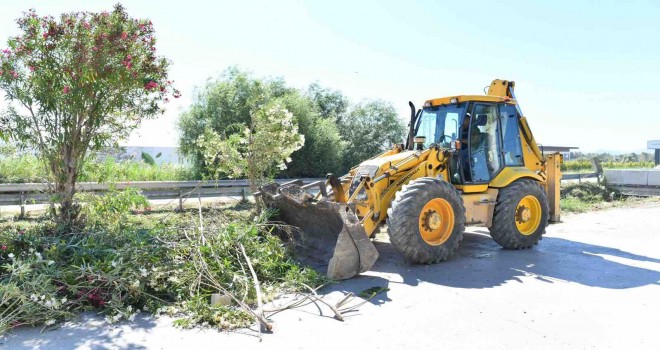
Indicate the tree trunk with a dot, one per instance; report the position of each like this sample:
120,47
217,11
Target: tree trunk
66,188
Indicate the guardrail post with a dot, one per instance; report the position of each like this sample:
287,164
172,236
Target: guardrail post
244,194
22,205
180,200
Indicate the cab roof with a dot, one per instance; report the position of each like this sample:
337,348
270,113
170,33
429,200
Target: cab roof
468,98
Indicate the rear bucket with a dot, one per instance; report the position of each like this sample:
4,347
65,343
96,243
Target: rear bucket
330,233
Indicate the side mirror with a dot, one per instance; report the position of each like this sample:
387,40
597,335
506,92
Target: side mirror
456,145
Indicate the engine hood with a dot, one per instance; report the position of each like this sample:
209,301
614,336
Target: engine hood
386,161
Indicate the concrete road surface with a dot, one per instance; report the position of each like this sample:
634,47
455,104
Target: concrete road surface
592,283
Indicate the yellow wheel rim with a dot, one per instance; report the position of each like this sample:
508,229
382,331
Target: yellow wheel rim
528,215
436,221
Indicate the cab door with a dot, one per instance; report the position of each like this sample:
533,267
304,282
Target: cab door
483,144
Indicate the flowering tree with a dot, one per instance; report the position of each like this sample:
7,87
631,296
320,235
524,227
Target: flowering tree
79,83
259,151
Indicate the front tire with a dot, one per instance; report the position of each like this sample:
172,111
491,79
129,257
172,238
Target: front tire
426,220
520,216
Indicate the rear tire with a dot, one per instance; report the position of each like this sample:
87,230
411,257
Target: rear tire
426,220
520,216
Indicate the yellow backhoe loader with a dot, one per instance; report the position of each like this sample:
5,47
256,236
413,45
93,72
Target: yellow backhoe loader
468,160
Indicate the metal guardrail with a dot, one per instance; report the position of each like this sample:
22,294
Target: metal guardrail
38,193
579,177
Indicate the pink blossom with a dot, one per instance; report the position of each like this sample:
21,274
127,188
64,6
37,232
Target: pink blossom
1,72
14,74
6,51
167,100
45,35
129,57
65,90
4,247
21,232
32,68
86,25
129,65
150,85
124,35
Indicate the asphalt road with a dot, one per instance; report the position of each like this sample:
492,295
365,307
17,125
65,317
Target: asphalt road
592,283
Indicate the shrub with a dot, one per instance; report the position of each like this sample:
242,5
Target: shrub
160,263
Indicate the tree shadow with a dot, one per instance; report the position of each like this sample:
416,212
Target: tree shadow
89,331
482,263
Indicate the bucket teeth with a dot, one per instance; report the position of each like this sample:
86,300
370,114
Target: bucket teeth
330,236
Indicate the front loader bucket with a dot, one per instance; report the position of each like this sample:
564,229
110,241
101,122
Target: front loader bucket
330,232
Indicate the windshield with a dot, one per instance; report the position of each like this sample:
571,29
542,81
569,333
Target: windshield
440,124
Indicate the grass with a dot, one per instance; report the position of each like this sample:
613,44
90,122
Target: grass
27,168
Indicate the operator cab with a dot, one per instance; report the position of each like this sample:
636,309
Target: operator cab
483,135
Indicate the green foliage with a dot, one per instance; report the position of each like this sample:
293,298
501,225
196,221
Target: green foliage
331,103
111,170
112,209
27,168
160,263
323,146
369,129
590,192
585,164
82,81
263,147
224,106
147,158
581,197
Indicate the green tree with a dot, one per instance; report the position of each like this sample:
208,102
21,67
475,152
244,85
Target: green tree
330,103
79,83
369,129
258,152
225,106
323,148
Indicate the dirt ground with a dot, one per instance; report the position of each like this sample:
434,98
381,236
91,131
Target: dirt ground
592,283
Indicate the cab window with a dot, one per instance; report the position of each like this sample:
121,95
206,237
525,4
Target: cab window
440,124
511,146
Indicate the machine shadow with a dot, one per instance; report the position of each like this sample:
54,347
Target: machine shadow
482,263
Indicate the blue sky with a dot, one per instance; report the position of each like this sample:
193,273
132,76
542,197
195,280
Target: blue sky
587,72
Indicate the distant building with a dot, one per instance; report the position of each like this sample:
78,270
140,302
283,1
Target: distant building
564,150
